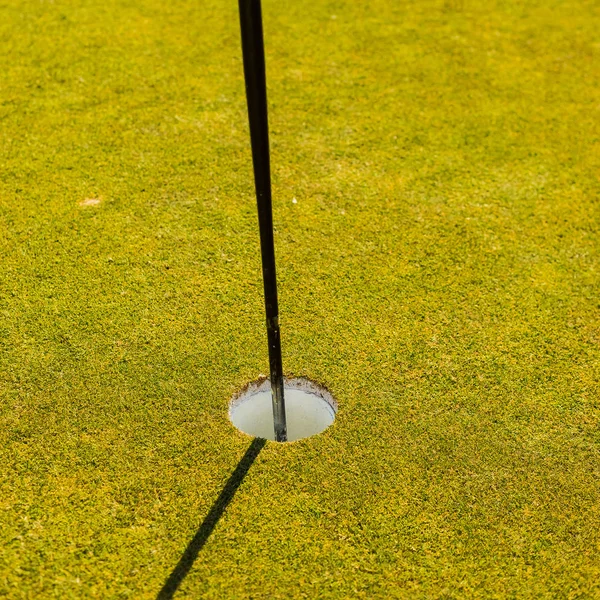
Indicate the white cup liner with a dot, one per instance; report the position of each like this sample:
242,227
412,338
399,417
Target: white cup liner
310,409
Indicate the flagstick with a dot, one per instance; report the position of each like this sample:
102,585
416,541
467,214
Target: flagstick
256,95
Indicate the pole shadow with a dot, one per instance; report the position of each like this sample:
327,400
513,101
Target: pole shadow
188,558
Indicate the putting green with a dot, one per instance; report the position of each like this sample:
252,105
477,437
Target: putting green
436,197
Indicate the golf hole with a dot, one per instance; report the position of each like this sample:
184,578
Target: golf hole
309,407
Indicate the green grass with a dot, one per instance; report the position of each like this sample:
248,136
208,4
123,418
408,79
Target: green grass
439,273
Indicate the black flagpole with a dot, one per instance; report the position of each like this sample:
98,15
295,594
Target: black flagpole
256,95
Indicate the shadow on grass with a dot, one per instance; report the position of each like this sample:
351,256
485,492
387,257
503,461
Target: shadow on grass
212,518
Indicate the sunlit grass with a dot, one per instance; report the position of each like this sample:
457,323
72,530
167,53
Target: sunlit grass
435,169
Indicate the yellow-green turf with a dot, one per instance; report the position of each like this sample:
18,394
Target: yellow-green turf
439,273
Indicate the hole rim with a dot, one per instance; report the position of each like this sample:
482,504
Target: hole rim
300,383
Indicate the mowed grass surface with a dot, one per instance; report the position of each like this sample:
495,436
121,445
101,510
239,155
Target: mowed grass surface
439,273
